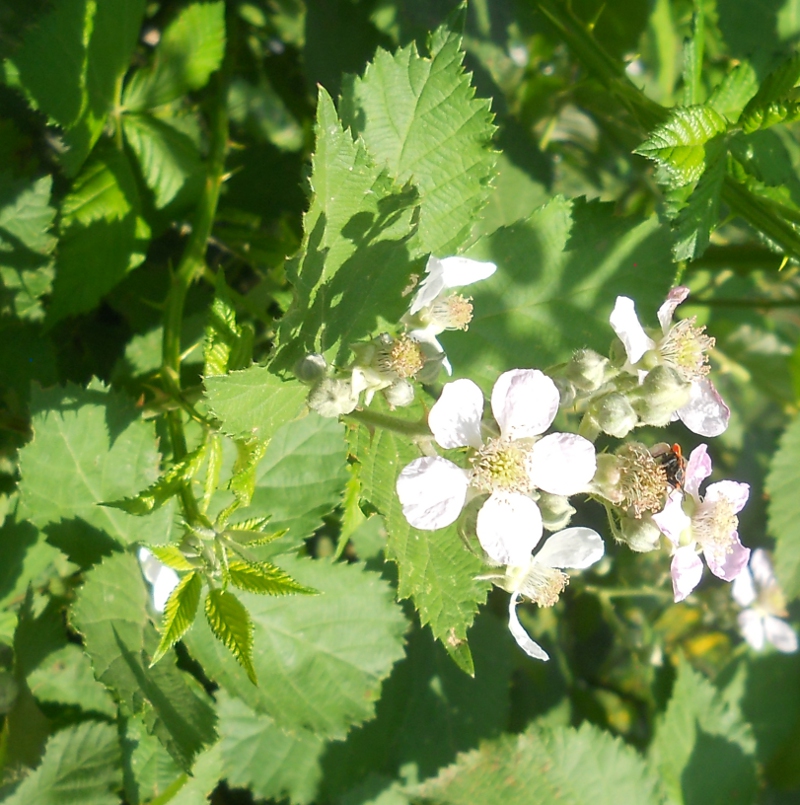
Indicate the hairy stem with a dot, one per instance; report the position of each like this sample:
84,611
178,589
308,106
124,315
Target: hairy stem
372,419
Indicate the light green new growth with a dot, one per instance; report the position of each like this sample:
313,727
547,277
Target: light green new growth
179,613
230,622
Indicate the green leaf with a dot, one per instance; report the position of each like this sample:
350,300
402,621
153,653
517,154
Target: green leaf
191,48
231,624
89,445
322,658
167,158
731,96
81,764
678,145
179,613
254,403
171,556
26,245
435,569
259,755
264,578
784,508
702,749
764,108
102,235
111,614
563,766
355,260
150,770
223,346
420,117
693,60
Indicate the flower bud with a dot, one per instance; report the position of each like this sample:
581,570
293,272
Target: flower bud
614,414
607,481
332,397
640,534
661,394
566,391
399,394
311,368
556,511
586,370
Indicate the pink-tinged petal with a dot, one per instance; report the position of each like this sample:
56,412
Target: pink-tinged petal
625,324
524,403
735,492
780,634
751,625
706,413
509,527
524,641
743,589
430,287
698,468
761,568
562,463
455,419
460,271
672,519
687,570
432,492
575,548
728,565
666,311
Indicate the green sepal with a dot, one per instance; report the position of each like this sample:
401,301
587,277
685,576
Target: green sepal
230,622
179,613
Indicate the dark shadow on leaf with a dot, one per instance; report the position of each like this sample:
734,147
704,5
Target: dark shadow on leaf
15,540
82,543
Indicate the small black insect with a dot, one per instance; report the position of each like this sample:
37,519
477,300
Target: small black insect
672,460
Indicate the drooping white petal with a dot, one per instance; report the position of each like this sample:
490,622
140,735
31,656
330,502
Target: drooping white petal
460,271
780,634
524,641
706,413
430,287
164,579
562,463
432,492
727,564
625,324
761,568
666,311
751,625
576,548
698,468
672,519
735,492
509,527
743,589
455,418
687,570
524,403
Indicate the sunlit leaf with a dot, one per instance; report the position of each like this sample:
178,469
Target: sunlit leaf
231,624
179,613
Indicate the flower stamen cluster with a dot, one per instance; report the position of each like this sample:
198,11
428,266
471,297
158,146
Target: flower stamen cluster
500,464
685,348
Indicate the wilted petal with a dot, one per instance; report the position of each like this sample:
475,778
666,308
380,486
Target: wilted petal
562,463
573,548
509,527
751,625
780,634
672,519
666,311
524,403
432,492
735,492
698,468
761,568
455,419
727,565
687,570
626,325
705,414
743,589
531,648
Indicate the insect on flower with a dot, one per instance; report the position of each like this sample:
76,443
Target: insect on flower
673,462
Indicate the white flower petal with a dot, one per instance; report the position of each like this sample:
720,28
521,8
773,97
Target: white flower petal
735,492
524,403
455,418
672,519
163,586
666,311
460,271
780,634
430,287
751,625
761,568
625,324
524,641
509,527
576,548
706,413
687,570
562,463
727,564
743,589
698,468
432,492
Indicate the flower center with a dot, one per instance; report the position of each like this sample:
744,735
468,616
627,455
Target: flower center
454,312
684,348
715,525
500,464
643,480
772,601
543,584
402,356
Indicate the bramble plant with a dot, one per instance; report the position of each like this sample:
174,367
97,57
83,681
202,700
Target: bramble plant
321,363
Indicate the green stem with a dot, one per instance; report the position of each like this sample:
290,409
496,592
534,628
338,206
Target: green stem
626,592
391,423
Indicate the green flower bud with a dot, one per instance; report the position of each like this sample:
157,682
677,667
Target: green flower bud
399,394
332,397
661,394
556,511
311,368
614,414
607,481
640,534
587,370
